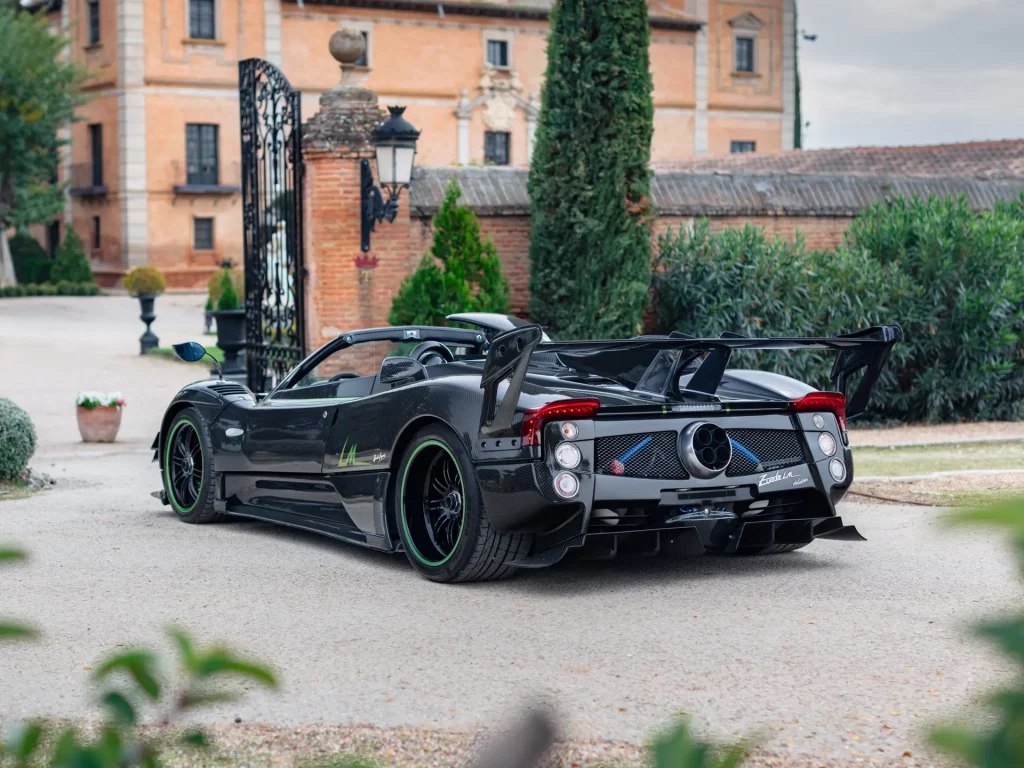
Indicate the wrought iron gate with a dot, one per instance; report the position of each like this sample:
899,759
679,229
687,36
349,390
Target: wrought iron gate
271,121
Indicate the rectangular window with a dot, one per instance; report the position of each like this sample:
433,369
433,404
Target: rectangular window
364,60
202,21
742,147
94,22
496,148
201,154
497,53
202,234
96,232
52,238
744,54
96,158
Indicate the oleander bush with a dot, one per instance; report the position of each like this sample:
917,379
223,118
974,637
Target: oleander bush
17,439
953,279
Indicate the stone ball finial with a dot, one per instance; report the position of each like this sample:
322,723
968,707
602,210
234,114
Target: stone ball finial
347,46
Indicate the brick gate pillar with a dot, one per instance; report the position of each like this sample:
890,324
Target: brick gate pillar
341,286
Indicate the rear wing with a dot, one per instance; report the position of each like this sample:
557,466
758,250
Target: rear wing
655,363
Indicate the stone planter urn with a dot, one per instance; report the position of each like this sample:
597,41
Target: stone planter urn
99,424
148,340
231,339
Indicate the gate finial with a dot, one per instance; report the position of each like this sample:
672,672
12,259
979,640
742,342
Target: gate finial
347,46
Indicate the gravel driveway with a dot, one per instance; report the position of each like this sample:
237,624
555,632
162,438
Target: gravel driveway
839,651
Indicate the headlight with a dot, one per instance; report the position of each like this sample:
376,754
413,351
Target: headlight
566,485
837,469
827,443
567,455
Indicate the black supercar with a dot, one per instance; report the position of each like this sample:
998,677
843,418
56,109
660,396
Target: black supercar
483,449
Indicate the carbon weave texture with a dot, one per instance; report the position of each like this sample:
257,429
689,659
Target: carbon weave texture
659,457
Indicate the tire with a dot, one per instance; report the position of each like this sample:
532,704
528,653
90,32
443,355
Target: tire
441,517
187,472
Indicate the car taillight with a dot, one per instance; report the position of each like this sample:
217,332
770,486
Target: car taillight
830,402
533,422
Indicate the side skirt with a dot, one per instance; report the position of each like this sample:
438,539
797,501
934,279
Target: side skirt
313,525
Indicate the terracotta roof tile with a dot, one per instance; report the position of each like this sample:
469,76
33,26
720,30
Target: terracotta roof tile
978,160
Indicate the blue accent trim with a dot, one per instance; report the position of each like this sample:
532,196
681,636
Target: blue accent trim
745,452
635,449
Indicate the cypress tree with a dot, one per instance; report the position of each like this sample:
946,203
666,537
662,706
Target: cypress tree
589,185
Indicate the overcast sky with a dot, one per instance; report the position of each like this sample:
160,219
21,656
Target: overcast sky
891,72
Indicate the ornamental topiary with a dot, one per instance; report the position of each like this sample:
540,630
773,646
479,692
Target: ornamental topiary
213,285
460,272
590,180
228,297
144,281
17,440
71,263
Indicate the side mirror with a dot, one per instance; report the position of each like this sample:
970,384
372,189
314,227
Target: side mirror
190,351
193,352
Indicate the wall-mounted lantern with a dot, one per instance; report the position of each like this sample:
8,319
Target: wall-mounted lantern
395,141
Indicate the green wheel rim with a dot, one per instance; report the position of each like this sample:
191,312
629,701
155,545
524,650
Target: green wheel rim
184,466
441,504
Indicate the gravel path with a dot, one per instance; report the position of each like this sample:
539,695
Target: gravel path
842,652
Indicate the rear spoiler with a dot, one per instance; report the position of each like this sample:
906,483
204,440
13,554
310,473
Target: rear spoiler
509,358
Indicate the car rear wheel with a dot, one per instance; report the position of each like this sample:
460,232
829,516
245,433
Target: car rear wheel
441,517
188,468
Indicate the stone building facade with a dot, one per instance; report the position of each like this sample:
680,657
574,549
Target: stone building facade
154,164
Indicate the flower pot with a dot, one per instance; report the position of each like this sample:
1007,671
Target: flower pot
148,340
231,339
99,424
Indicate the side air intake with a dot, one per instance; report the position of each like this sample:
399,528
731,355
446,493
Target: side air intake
705,450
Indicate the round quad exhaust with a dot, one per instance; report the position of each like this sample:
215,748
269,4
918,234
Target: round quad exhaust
705,450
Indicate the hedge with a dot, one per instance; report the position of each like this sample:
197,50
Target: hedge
953,279
63,288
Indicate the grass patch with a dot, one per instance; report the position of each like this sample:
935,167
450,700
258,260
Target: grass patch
216,352
923,460
12,490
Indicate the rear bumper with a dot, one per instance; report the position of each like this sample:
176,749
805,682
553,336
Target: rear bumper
791,505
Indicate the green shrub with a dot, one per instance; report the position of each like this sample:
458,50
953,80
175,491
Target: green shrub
31,263
71,263
31,289
590,179
996,739
740,281
952,279
213,285
228,298
963,314
460,273
47,289
17,439
144,281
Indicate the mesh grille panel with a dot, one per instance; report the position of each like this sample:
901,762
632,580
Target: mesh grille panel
642,455
773,448
655,455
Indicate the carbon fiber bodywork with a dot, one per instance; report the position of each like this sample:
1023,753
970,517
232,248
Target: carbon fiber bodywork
329,464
